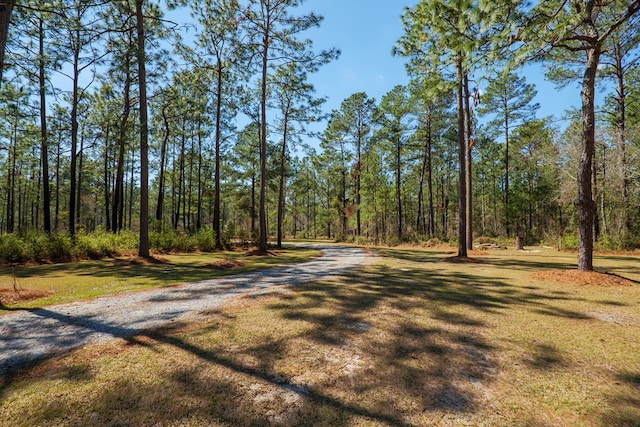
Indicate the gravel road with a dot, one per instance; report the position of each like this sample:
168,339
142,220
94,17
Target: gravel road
34,334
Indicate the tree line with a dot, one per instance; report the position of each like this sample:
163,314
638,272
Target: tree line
116,117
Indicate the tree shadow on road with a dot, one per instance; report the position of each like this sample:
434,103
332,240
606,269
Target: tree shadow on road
380,346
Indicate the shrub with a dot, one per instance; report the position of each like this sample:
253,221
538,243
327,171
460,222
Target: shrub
172,241
12,249
105,244
206,239
362,240
569,241
61,248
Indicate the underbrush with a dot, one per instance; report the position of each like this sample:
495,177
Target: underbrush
37,247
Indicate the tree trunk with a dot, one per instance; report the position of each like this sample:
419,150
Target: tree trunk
189,198
283,153
421,226
57,207
117,210
262,209
621,119
358,182
180,190
143,249
584,203
507,219
199,179
462,174
432,214
44,145
468,163
163,153
253,205
217,229
343,214
132,169
398,187
80,161
11,176
5,18
106,176
74,136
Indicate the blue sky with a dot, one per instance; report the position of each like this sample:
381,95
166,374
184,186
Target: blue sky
365,32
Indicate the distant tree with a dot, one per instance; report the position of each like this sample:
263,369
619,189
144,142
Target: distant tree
620,58
294,99
82,33
536,178
247,166
273,40
395,116
509,99
353,124
433,118
447,47
219,46
337,156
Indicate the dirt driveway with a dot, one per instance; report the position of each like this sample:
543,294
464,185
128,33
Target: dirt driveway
34,334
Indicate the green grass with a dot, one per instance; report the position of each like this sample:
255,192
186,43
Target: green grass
88,279
411,339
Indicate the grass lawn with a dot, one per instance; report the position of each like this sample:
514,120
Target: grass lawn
412,339
48,284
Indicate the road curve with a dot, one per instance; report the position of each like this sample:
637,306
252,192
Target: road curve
30,335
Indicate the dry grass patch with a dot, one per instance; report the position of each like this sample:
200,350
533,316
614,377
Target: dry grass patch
406,341
14,296
226,264
583,278
137,260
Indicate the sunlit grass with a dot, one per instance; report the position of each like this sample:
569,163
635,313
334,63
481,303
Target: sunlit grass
410,340
88,279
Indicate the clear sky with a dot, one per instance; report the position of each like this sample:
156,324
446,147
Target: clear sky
365,31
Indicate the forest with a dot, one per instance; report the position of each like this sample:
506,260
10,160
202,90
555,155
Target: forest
115,118
190,236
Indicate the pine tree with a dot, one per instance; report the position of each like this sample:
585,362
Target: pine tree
509,98
576,31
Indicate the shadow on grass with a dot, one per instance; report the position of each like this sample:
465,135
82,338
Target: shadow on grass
625,409
126,400
423,330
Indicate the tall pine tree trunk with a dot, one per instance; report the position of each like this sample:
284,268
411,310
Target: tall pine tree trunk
262,209
44,144
621,120
161,177
79,193
143,249
106,176
468,163
462,151
283,154
584,203
6,7
117,211
74,136
398,188
358,171
199,178
217,228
